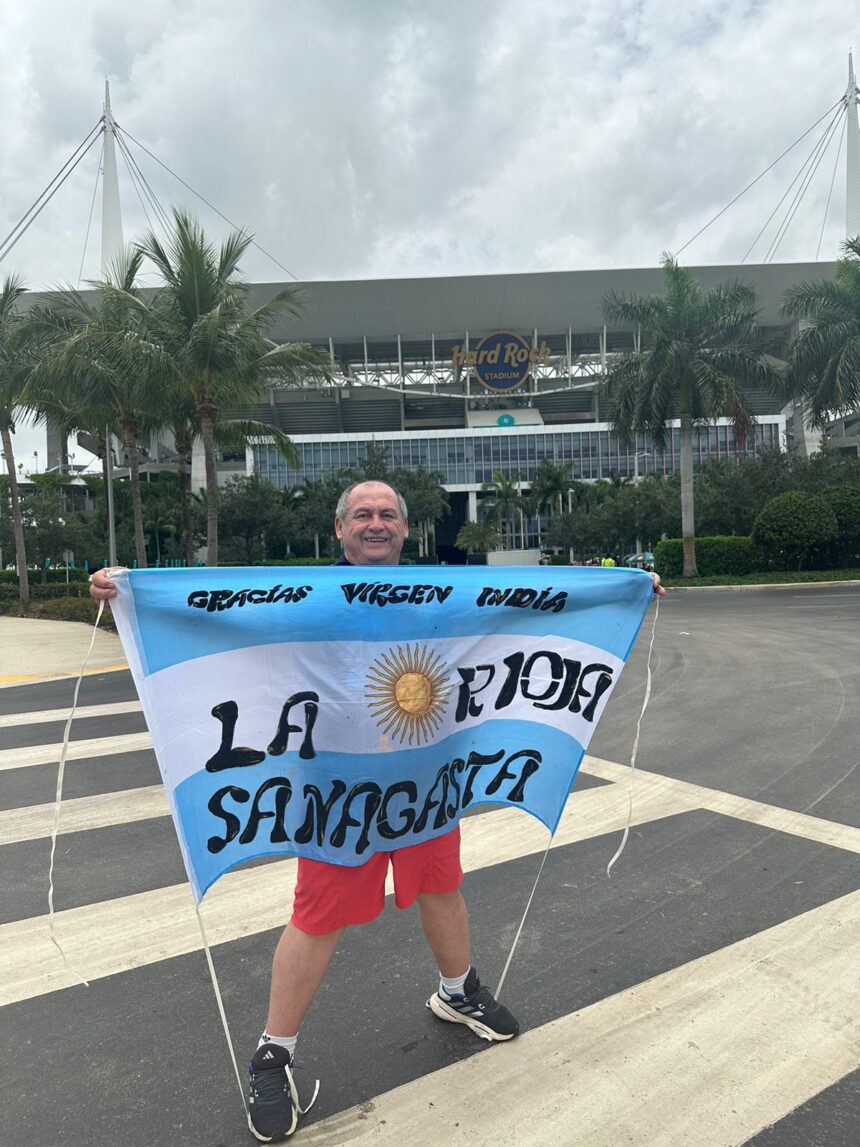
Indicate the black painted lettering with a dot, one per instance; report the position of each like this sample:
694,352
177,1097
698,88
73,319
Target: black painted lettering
490,596
227,756
318,812
603,682
522,597
530,766
373,798
383,825
232,822
352,590
282,733
433,801
509,688
474,764
278,835
555,667
467,706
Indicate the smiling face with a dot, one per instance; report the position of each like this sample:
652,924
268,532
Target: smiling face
372,529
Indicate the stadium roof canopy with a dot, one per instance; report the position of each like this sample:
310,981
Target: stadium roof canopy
551,301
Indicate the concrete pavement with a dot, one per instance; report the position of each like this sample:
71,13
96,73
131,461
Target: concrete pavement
35,650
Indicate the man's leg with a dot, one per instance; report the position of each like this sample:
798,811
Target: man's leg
300,963
445,922
461,998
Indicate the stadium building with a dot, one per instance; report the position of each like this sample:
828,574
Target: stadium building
469,375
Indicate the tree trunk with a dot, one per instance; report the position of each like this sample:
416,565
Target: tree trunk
17,522
130,443
184,501
688,525
207,435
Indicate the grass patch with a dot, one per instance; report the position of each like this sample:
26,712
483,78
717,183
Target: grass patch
770,577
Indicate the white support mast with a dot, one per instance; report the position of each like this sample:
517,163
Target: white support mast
112,248
852,167
112,241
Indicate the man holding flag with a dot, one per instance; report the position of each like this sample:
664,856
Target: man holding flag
371,523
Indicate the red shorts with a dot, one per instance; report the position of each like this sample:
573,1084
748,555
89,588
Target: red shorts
332,896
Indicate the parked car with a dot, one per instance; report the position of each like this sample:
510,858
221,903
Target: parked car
646,558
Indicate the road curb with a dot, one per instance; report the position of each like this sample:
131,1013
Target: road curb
42,678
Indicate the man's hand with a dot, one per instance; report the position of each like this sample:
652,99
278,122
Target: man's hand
101,586
659,588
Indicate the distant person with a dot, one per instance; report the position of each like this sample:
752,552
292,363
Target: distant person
608,560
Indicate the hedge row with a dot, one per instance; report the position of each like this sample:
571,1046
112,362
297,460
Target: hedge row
53,577
44,592
721,555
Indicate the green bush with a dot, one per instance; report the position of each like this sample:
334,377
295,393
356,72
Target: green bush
844,501
53,577
714,556
669,557
794,528
44,592
69,609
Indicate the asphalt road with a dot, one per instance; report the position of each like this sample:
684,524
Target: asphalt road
705,994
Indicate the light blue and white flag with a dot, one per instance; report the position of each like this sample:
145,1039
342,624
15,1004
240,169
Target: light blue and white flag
337,712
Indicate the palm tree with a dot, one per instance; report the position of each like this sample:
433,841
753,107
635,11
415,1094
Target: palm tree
552,481
824,358
206,340
91,378
503,501
478,537
158,525
12,334
699,352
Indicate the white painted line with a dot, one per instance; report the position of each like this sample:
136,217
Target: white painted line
856,596
133,931
78,750
769,816
36,821
708,1053
42,716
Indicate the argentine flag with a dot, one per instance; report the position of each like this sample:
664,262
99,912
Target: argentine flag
337,712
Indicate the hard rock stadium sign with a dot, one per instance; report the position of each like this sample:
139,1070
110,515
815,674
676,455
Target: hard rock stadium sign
501,361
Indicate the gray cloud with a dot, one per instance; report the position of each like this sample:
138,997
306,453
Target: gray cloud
384,138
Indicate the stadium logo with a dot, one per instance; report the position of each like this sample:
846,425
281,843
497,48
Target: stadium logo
502,361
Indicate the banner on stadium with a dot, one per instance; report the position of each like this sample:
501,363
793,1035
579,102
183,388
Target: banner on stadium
341,711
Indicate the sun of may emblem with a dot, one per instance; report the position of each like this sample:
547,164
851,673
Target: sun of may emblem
408,692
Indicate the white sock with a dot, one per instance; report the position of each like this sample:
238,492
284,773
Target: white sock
453,987
288,1042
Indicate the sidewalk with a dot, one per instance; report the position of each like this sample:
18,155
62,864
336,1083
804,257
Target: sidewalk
32,650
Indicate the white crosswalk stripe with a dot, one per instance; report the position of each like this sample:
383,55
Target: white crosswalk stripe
116,935
78,751
688,1057
662,1055
44,716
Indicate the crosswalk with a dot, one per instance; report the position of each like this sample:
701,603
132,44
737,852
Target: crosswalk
671,1004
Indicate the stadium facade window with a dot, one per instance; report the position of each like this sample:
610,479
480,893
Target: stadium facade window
469,458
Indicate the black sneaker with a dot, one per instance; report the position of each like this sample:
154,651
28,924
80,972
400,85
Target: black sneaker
477,1009
273,1103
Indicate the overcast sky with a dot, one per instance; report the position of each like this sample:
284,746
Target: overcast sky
384,138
